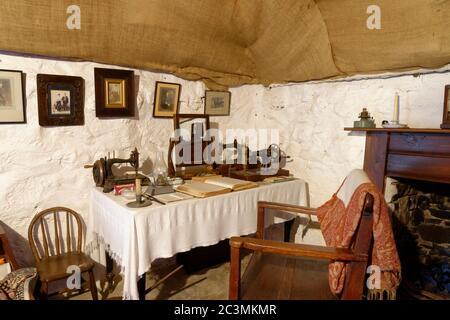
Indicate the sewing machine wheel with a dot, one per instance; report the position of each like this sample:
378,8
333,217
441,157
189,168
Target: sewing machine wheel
99,172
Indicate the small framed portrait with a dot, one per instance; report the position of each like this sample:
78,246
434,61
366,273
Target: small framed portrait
114,93
167,99
446,116
217,103
12,102
60,100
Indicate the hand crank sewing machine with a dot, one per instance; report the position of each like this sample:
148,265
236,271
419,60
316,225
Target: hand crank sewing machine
102,171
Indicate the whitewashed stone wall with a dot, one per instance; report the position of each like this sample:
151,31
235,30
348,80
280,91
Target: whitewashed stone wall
311,118
43,167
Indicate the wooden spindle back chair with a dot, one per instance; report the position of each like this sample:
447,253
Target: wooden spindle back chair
55,251
40,226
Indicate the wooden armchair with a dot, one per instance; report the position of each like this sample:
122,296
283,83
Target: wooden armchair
54,255
290,271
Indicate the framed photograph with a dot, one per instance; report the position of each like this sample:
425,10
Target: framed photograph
217,103
60,100
114,93
12,102
167,99
446,117
194,126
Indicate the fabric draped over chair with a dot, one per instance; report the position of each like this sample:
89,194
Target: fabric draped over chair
339,219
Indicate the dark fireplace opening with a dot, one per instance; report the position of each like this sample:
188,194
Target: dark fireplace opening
421,221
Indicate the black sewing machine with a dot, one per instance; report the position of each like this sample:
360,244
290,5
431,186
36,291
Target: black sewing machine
104,177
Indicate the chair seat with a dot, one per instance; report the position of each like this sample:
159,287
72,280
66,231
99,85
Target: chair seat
281,277
55,267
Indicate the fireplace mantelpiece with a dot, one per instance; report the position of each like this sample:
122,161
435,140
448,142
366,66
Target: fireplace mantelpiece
420,154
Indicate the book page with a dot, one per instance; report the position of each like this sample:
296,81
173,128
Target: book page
200,189
231,183
171,197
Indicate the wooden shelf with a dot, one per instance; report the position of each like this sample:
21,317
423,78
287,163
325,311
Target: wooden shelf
405,130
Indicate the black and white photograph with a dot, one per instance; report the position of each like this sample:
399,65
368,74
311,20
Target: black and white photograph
167,99
217,103
12,105
5,93
59,102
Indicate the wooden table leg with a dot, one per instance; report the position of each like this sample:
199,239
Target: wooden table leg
287,229
141,287
109,271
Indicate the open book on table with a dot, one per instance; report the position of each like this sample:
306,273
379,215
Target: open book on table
172,197
214,186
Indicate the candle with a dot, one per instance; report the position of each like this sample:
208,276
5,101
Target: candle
138,187
396,109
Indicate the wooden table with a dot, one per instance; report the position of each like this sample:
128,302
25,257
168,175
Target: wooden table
136,237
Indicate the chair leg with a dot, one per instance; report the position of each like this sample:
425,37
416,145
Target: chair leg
92,285
44,290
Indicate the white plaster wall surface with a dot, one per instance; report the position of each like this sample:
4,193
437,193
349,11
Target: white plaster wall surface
43,167
311,118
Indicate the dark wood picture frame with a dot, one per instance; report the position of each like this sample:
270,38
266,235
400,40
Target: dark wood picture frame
123,103
178,119
19,104
446,115
57,110
224,110
158,109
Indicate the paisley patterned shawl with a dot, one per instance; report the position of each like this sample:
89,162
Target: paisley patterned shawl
339,224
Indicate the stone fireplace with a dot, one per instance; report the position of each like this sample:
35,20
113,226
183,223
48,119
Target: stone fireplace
421,221
419,161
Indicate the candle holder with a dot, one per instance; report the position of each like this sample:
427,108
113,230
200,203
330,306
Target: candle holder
139,203
395,122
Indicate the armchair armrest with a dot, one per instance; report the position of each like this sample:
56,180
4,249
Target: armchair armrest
297,250
263,205
292,249
286,207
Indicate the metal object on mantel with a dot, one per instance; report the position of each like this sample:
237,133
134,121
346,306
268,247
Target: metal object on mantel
104,176
366,120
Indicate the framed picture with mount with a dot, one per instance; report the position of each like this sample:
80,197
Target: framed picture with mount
446,117
12,102
60,100
114,93
217,103
167,98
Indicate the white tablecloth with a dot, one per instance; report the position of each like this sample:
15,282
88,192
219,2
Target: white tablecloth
136,237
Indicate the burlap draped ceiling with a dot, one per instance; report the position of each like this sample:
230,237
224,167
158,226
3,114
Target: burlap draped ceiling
229,43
